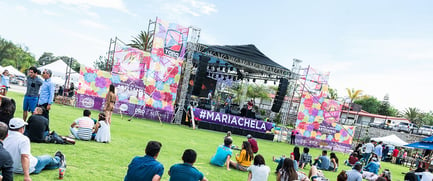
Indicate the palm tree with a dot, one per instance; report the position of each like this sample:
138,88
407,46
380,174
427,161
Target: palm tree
412,113
143,41
353,95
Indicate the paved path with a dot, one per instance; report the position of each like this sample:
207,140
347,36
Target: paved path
17,88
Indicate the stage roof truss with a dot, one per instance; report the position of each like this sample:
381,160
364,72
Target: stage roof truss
283,73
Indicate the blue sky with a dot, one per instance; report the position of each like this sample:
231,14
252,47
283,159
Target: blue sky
378,46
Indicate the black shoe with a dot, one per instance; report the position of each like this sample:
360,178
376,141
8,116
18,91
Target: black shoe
62,159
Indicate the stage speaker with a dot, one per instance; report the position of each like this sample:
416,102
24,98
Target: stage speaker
281,93
200,76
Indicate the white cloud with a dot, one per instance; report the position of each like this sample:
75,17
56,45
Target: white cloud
189,7
85,4
50,13
21,9
93,24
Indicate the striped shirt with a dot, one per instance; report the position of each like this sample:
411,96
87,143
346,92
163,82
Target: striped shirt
85,127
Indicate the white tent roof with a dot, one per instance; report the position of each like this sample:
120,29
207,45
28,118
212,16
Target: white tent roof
391,139
59,70
13,71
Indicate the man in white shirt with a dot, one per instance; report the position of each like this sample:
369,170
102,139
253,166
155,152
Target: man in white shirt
426,175
369,147
18,146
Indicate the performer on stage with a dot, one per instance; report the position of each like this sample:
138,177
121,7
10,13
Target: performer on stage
209,97
228,103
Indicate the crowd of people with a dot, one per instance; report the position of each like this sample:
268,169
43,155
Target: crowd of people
17,133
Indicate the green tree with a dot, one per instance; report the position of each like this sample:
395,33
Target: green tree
16,55
75,65
332,94
384,109
426,118
412,114
46,58
369,104
142,41
100,63
6,49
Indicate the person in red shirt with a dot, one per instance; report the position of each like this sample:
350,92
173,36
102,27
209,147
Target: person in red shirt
253,144
352,159
394,155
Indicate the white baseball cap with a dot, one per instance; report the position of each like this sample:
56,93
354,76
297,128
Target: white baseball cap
16,123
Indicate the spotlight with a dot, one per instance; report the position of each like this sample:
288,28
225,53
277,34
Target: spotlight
230,77
231,68
221,68
254,80
219,76
266,81
224,78
217,62
275,82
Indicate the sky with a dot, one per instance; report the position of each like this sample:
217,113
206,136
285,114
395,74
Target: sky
380,47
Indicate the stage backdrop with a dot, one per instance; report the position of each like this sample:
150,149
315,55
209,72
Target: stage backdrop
318,126
146,83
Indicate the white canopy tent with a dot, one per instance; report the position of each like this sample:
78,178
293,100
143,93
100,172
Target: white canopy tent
58,68
391,139
13,71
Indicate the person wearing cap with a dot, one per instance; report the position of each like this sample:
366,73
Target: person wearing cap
355,173
46,93
253,143
6,163
18,146
34,83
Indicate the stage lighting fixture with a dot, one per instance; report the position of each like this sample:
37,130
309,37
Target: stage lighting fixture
254,80
248,80
266,81
234,78
226,69
275,82
221,68
209,67
230,77
219,76
217,62
224,78
231,68
214,76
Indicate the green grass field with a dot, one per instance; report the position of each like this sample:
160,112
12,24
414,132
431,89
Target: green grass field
98,161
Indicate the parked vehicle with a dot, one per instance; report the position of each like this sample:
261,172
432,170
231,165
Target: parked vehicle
425,130
375,124
404,126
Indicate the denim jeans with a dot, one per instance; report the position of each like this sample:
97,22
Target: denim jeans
46,162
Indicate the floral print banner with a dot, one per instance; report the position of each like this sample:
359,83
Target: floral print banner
318,122
146,83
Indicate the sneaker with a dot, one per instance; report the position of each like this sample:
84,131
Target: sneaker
62,159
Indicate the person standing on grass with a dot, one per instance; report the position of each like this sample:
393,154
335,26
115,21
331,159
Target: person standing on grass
110,100
185,171
223,154
378,150
5,80
368,150
46,93
6,163
18,146
146,167
34,83
258,171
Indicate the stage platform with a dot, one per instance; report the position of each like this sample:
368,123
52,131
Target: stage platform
234,130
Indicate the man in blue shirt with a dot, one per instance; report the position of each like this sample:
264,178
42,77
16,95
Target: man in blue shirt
46,94
323,161
34,83
355,173
223,154
146,168
185,171
373,166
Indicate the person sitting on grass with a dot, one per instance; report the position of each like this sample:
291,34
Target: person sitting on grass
258,171
353,158
223,154
322,162
253,143
305,158
18,146
82,128
371,170
186,171
316,175
334,162
38,127
243,160
342,176
355,173
6,162
146,167
7,109
288,172
102,127
280,162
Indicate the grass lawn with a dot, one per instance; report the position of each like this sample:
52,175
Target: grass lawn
98,161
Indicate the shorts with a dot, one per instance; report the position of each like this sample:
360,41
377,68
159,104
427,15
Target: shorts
240,167
30,103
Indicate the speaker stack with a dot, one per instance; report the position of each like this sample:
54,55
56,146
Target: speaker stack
200,75
281,93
